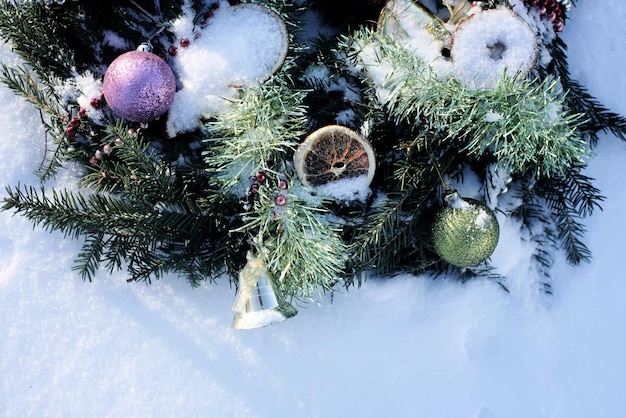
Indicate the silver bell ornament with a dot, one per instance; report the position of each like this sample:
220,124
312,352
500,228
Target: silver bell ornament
259,302
465,232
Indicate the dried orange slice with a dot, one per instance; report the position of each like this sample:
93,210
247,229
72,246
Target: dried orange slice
334,153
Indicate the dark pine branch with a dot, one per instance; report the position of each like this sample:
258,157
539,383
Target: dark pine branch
153,240
567,211
90,256
598,117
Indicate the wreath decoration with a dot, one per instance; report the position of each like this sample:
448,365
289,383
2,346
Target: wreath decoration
221,140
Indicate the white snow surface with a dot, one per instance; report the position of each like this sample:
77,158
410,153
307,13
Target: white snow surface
209,71
490,44
398,347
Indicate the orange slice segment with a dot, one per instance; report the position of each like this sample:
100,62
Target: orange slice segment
334,153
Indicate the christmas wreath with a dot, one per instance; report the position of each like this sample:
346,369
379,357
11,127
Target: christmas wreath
227,139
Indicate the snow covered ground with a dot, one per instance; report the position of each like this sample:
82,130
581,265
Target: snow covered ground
403,347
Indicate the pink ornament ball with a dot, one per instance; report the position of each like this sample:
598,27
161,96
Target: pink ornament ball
139,86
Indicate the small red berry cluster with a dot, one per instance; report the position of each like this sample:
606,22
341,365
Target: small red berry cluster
71,130
207,16
260,179
74,124
552,10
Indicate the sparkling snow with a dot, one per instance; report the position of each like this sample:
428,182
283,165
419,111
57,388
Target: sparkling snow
398,347
208,70
491,44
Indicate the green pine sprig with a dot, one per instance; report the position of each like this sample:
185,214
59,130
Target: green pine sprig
258,135
571,198
54,118
301,245
259,129
523,122
597,117
151,240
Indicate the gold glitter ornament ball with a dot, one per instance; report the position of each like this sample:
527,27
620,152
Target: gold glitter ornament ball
465,232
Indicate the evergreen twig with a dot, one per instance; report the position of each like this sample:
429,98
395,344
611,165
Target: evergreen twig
45,99
597,116
258,131
522,122
571,198
258,134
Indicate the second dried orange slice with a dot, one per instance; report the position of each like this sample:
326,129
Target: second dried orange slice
334,153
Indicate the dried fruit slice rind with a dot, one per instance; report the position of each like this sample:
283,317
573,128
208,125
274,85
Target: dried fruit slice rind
276,26
334,153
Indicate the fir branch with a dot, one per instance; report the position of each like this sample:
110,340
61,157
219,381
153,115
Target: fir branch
146,262
570,233
44,98
387,232
522,122
539,226
133,167
74,213
119,230
34,42
585,198
257,131
568,208
90,256
483,270
303,249
41,95
597,116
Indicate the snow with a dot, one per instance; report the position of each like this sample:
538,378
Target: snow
318,76
403,347
407,23
84,88
493,117
347,189
490,44
209,72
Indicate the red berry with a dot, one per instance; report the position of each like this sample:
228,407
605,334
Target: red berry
70,131
82,112
95,103
282,184
260,177
280,200
207,15
74,122
254,188
215,6
172,50
558,26
184,42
